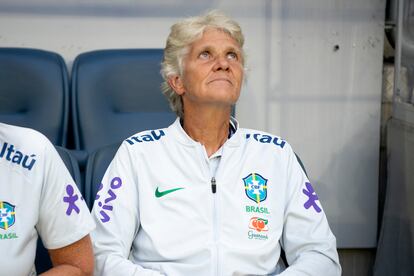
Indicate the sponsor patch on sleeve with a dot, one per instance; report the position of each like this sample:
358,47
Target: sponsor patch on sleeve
312,198
105,204
71,198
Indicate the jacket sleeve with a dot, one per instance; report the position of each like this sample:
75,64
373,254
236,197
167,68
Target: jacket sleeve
64,217
116,214
309,243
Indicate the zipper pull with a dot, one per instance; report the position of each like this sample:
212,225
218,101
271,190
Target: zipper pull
213,185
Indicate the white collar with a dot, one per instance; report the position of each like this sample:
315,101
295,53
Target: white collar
179,133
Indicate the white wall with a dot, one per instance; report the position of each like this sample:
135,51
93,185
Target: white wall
324,100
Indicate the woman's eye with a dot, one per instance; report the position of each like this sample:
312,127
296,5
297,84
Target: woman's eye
232,56
204,55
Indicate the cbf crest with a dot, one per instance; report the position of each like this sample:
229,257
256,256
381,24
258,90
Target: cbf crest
7,215
255,186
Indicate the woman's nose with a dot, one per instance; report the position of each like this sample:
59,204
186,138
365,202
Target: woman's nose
221,63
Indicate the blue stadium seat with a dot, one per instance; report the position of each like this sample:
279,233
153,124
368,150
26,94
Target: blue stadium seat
116,93
301,164
34,91
96,166
42,260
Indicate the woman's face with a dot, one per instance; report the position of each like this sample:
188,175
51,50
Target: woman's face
213,71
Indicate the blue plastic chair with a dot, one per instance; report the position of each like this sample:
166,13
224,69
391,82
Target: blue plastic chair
116,93
96,166
34,91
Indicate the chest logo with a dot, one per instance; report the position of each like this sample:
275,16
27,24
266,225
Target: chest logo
258,224
255,186
159,193
7,215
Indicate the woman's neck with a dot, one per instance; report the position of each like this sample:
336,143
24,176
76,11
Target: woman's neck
208,127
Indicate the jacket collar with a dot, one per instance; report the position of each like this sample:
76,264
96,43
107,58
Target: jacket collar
179,134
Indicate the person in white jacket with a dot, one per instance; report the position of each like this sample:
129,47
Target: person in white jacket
38,197
204,196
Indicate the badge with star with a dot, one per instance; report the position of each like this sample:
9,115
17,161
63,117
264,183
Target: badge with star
7,215
255,186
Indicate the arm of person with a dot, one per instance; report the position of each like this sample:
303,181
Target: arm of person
75,259
116,214
309,244
64,221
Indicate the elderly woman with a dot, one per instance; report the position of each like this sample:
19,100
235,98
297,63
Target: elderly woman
203,196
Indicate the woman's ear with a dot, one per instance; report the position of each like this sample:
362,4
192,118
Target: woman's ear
177,84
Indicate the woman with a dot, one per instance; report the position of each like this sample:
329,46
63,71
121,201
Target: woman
203,196
38,197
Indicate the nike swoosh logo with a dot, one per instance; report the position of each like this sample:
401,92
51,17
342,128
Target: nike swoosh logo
166,192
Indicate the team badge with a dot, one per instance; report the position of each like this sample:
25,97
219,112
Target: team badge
7,215
256,187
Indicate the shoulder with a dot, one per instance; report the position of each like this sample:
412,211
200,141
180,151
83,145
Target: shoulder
264,139
145,137
267,145
23,147
144,142
23,138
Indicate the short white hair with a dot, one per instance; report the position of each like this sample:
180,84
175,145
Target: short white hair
182,34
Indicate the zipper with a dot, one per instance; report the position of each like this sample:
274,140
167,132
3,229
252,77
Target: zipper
215,216
215,228
213,185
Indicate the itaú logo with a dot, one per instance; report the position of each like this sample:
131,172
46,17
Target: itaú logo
146,137
10,153
258,224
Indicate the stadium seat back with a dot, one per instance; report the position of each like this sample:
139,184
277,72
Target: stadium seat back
116,93
96,167
34,91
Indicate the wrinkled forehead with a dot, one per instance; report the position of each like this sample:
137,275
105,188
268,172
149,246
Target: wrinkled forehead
215,38
210,31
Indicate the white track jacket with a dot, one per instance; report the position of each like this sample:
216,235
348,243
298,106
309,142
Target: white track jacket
160,211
